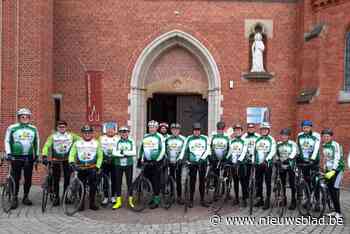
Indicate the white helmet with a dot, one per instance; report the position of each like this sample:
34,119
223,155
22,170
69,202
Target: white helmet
265,125
24,111
153,124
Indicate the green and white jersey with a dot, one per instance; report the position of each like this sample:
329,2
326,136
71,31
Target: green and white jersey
265,149
250,140
333,156
125,152
109,145
22,140
152,147
86,153
238,150
220,146
196,149
174,145
59,144
286,150
309,146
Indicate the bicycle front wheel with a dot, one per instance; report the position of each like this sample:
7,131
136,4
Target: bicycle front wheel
7,194
142,193
278,206
251,195
186,194
168,194
73,197
303,199
318,202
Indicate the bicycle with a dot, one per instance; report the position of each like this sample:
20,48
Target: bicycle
212,186
7,189
280,198
73,196
167,195
186,185
48,191
142,190
320,197
302,189
103,184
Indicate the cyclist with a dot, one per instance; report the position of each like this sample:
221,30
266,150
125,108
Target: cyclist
163,129
174,144
196,151
334,167
124,161
309,152
58,146
219,145
286,154
265,150
152,150
108,143
22,149
86,156
237,157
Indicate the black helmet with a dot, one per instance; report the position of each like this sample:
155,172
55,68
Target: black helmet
327,131
175,125
285,131
87,128
196,126
220,125
61,122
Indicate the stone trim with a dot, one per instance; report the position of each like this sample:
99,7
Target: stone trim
148,55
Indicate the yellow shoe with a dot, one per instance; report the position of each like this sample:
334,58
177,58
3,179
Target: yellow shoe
118,203
131,202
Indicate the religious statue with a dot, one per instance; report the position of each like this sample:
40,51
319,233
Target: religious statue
258,53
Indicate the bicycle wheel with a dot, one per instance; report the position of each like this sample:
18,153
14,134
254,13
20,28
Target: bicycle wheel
278,206
186,194
212,188
318,205
303,198
7,194
142,193
251,191
102,186
167,197
73,197
45,194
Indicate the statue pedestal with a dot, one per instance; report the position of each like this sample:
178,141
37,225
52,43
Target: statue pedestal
258,76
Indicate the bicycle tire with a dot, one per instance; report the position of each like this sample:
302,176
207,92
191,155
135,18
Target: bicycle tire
212,187
303,199
45,194
322,202
251,195
167,197
186,194
73,197
7,194
101,186
277,206
142,193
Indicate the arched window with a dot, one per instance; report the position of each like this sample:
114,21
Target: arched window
347,62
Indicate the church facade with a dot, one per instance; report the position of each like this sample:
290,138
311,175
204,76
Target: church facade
87,61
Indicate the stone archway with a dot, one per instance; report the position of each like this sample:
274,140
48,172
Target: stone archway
137,96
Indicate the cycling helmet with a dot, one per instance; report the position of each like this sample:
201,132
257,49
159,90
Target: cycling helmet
285,131
24,111
87,128
265,125
327,131
196,126
220,125
124,129
175,125
153,124
306,123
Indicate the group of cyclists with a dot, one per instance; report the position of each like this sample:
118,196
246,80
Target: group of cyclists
114,154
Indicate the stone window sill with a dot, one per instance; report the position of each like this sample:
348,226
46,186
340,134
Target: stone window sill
344,96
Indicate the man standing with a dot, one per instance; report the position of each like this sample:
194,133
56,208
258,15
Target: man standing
86,156
265,150
196,151
152,152
22,149
58,145
174,144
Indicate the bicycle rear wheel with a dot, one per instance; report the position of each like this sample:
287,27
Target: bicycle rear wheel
168,194
318,206
278,206
142,193
7,194
303,199
212,188
186,194
102,186
251,195
73,197
45,194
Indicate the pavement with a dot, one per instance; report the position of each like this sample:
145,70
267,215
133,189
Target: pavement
198,220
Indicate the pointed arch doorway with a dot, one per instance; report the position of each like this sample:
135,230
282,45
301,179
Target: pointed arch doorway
150,80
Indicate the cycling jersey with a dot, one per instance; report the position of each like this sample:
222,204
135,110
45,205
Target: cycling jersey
59,144
174,146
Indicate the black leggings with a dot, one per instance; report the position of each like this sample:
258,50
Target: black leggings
89,175
128,171
291,178
56,173
334,192
175,172
202,169
235,180
17,167
263,172
153,172
244,175
109,169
